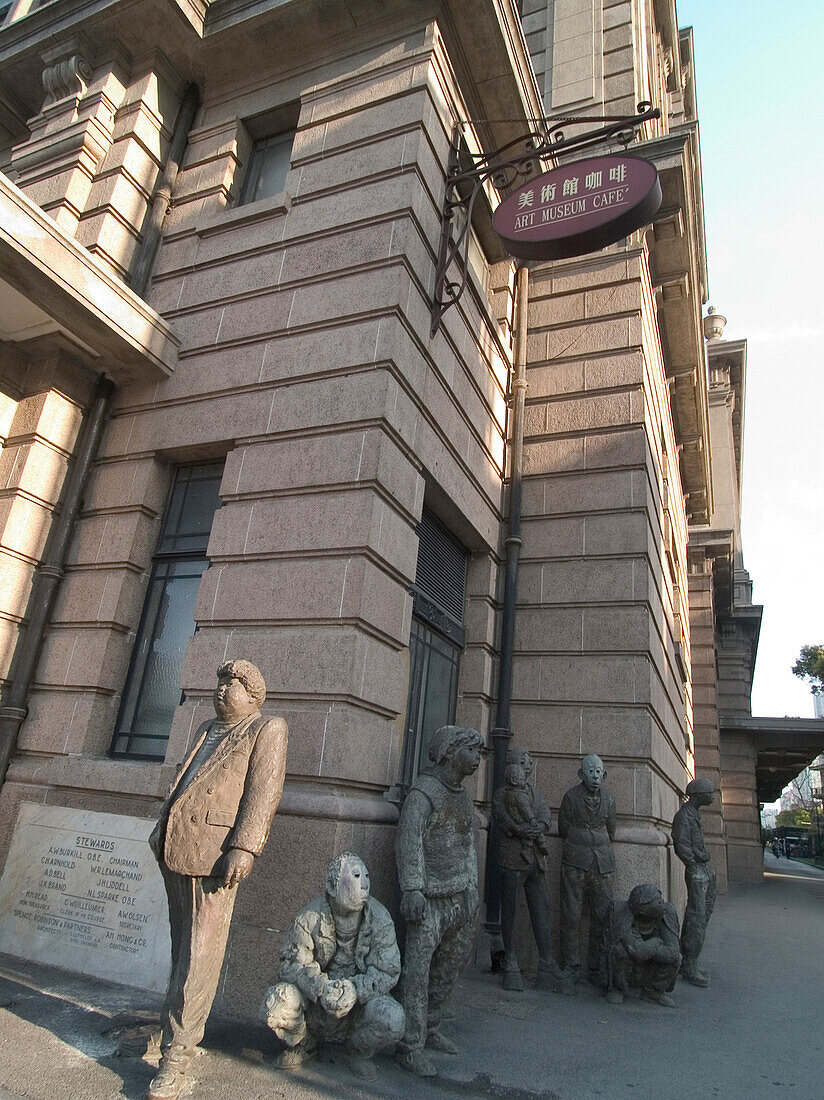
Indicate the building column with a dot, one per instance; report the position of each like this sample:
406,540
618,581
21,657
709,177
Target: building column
705,709
742,819
36,450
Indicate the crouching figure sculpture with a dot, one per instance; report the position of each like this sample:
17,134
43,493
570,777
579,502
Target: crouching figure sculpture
339,961
641,948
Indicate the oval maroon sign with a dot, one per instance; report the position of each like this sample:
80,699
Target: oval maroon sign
578,208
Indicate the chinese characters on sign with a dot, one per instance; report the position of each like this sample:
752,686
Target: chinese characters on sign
578,208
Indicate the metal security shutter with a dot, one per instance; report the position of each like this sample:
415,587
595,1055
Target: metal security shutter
440,579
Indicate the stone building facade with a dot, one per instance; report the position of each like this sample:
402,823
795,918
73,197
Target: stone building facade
292,469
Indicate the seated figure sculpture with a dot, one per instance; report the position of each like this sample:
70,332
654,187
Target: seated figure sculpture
691,849
524,819
641,947
339,961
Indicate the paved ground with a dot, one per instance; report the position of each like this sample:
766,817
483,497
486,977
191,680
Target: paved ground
755,1033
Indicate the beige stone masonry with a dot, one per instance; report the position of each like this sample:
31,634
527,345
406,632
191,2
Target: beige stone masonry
707,736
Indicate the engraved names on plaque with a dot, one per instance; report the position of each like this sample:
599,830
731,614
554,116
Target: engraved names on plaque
82,890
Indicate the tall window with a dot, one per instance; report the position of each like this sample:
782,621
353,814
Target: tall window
436,641
269,163
152,690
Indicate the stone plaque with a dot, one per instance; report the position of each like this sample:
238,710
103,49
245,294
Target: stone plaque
82,890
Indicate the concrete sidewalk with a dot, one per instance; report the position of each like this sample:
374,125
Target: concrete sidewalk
754,1033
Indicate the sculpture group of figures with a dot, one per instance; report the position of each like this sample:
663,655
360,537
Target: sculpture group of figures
341,977
633,944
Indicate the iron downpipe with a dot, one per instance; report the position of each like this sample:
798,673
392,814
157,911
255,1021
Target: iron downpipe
143,261
502,732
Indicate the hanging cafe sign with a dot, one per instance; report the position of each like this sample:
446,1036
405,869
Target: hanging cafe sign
579,208
569,211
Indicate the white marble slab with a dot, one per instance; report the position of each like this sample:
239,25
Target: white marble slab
81,890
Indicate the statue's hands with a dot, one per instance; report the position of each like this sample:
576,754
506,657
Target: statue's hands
413,904
339,997
533,830
236,866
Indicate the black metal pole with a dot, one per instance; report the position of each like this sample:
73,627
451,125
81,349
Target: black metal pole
502,731
143,261
48,576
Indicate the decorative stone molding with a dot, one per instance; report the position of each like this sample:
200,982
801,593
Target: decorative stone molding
66,78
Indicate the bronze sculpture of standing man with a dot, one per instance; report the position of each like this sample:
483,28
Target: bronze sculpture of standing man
212,825
438,876
586,823
691,849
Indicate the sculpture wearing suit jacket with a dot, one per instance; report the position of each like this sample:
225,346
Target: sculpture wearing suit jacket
586,823
212,824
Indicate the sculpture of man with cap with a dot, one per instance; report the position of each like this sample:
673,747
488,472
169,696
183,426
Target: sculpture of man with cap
438,876
688,838
642,947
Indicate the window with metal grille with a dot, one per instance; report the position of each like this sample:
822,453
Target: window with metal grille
152,690
435,643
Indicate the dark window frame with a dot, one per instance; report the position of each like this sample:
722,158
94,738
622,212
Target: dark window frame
257,164
177,549
437,633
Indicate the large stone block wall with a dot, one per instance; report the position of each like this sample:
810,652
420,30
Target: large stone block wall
41,409
742,818
95,148
707,735
602,615
305,364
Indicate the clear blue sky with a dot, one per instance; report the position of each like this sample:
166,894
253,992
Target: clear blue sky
758,77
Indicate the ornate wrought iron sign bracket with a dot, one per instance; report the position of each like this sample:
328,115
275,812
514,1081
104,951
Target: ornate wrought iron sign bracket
516,162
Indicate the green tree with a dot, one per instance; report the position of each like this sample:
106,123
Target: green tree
810,666
796,816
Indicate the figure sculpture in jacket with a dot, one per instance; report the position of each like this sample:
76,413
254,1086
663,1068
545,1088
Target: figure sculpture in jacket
212,825
641,947
523,817
691,849
586,823
438,876
338,963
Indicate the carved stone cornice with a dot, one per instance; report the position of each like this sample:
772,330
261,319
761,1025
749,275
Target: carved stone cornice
67,70
66,78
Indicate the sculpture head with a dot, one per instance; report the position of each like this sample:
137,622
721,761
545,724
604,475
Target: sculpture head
516,775
647,906
522,759
240,690
347,883
700,792
592,772
457,749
